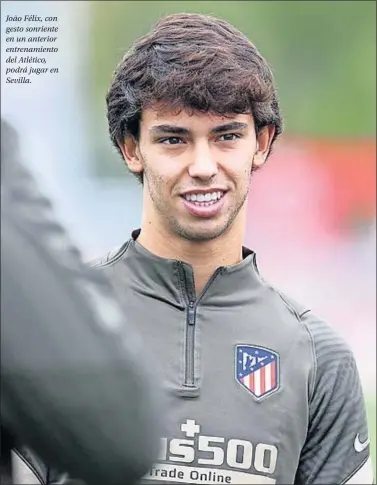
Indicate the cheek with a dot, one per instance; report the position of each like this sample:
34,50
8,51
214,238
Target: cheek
156,181
159,178
240,169
163,169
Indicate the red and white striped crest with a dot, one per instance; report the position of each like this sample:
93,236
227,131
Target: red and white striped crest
257,369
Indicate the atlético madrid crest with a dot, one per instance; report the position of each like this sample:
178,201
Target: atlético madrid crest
257,369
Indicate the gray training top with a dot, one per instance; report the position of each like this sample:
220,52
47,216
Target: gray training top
259,390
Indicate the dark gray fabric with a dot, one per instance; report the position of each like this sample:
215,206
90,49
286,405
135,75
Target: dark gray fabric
336,413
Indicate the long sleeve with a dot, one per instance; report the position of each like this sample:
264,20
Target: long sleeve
337,446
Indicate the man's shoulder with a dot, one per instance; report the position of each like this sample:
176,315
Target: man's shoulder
321,330
297,308
330,349
317,326
326,339
330,353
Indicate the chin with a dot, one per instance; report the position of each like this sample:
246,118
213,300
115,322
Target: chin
202,234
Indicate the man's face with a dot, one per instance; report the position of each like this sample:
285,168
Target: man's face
196,169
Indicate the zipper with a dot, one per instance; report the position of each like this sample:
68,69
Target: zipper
190,345
192,305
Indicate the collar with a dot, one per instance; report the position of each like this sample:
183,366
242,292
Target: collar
173,280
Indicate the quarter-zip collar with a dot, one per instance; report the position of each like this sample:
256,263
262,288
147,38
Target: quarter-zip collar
174,280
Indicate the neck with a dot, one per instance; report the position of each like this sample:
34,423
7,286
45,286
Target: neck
204,257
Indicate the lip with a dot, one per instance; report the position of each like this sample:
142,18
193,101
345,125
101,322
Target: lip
203,211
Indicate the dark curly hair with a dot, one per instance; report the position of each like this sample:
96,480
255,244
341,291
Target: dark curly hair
194,62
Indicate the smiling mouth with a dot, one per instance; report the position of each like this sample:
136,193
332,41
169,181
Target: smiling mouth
204,200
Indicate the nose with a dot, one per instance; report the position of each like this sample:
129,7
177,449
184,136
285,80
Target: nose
203,165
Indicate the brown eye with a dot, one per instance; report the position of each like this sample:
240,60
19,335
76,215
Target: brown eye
171,140
229,137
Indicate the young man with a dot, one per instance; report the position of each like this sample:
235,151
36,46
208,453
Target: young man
258,388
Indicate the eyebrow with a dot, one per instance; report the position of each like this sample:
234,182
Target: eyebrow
178,130
233,126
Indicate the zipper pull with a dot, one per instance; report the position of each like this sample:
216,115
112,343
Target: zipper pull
191,313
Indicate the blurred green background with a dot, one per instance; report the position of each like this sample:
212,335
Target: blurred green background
323,55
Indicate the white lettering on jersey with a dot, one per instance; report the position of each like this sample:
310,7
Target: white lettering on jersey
238,459
182,450
184,474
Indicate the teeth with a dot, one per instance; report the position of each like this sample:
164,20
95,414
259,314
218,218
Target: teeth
209,197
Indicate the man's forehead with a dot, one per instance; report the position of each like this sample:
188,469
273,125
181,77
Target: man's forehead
189,118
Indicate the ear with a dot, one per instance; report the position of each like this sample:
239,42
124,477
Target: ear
131,153
264,140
